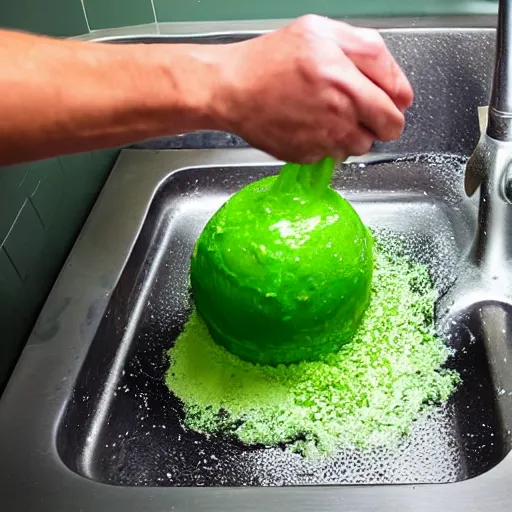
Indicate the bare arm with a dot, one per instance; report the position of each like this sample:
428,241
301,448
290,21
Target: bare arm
314,88
61,97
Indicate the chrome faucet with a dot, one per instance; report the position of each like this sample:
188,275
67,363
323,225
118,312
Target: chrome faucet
490,165
486,272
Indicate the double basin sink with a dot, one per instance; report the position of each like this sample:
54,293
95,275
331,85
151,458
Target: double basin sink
87,423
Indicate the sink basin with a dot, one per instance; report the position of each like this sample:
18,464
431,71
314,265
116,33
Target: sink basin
127,429
103,432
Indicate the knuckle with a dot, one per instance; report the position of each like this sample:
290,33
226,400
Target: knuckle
373,41
393,127
343,124
357,143
309,152
360,148
339,154
309,65
366,146
308,22
340,105
340,136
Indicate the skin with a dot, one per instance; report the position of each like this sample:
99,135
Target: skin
314,88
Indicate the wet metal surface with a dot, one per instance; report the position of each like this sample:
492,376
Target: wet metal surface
132,433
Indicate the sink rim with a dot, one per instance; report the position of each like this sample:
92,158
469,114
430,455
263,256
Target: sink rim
246,28
62,337
407,196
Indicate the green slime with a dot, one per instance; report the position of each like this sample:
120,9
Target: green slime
282,272
367,394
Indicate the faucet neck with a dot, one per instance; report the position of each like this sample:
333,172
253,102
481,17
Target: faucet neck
499,125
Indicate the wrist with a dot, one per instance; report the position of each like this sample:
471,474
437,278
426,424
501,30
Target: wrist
193,86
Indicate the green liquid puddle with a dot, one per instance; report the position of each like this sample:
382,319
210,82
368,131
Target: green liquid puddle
367,394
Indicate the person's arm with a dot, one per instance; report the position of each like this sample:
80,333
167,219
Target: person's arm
314,88
61,97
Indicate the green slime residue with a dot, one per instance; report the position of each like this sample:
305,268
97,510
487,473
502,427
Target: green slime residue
282,272
368,393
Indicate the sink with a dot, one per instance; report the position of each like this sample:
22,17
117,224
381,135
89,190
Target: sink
127,430
102,430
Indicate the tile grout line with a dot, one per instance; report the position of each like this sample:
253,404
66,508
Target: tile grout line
154,14
13,222
86,18
38,215
4,250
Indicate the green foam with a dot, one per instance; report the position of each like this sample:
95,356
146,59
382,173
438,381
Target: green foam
367,394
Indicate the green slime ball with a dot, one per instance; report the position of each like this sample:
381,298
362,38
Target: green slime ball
282,272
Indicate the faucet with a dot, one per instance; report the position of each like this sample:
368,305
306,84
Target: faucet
490,165
485,274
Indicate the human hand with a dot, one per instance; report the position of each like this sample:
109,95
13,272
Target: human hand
315,88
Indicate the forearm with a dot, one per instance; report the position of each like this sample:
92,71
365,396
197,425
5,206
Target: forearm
316,87
61,97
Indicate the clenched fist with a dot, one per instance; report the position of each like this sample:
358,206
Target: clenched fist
315,88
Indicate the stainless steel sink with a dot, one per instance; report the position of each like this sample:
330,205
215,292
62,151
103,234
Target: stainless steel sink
129,431
82,421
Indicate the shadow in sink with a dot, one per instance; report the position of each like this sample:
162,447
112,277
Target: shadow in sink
123,427
482,333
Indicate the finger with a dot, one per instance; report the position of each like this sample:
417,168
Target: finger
381,68
375,109
339,155
355,142
368,51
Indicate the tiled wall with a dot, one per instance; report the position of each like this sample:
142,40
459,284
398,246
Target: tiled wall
43,205
71,17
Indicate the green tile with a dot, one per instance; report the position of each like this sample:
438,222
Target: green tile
103,162
87,172
52,17
11,196
216,10
75,207
10,281
78,172
106,158
74,165
60,193
25,241
35,173
31,181
14,330
18,316
11,176
118,13
47,196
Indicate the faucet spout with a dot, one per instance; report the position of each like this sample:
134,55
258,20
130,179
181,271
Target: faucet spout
499,126
492,245
489,170
490,166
